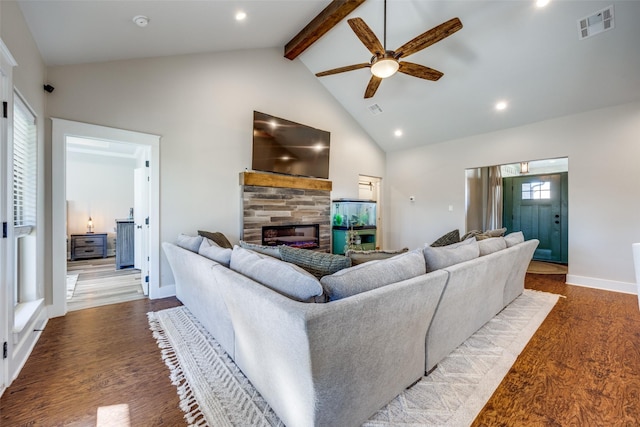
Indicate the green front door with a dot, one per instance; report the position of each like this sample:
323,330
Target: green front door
537,206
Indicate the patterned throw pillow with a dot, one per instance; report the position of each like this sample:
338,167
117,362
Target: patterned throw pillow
360,257
317,263
272,251
448,239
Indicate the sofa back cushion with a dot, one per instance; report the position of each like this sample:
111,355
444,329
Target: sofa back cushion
272,251
372,275
209,249
282,277
491,245
444,256
191,243
513,239
317,263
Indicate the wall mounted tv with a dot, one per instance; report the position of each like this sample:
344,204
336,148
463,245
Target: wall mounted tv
282,146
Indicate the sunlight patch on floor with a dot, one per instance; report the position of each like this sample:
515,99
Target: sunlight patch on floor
114,415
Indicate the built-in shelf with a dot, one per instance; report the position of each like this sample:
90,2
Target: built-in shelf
261,179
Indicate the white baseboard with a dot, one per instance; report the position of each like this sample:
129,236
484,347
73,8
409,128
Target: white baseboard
164,291
607,285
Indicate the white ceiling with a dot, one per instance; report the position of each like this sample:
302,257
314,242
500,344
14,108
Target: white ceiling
507,50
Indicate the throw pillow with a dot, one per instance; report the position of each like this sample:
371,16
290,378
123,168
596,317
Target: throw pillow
220,239
272,251
282,277
191,243
513,239
372,275
359,257
209,249
317,263
491,245
441,257
448,239
480,235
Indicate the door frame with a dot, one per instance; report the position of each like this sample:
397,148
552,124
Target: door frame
60,130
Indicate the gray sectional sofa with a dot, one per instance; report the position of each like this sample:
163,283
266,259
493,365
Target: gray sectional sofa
384,323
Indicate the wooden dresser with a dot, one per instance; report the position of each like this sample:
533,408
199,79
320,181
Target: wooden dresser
90,245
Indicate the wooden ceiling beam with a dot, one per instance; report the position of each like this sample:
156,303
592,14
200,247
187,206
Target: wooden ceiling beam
335,12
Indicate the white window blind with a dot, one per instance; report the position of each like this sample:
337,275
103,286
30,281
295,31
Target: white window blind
24,165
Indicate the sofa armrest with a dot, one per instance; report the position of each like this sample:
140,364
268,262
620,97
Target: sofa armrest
335,363
515,282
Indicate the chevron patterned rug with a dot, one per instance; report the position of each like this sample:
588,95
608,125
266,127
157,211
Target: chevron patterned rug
214,392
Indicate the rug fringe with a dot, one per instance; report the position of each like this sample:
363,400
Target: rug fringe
188,403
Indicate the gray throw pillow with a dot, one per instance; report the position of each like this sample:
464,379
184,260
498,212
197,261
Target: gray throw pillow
359,257
191,243
448,239
491,245
283,277
209,249
514,238
317,263
272,251
442,257
372,275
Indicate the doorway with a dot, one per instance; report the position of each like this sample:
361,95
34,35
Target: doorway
61,131
370,188
533,198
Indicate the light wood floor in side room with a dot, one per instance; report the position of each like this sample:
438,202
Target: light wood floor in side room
99,283
581,368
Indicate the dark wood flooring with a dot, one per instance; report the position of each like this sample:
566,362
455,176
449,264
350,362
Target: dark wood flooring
581,368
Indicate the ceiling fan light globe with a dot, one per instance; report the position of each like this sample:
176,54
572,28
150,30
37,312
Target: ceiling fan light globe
384,68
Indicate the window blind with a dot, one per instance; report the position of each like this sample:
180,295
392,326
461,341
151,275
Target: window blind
24,165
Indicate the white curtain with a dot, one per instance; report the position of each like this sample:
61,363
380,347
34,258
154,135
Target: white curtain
493,217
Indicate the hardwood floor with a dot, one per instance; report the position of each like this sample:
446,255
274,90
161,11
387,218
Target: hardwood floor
100,283
581,368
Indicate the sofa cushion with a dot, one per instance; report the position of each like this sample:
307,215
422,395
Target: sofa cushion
317,263
491,245
359,257
283,277
272,251
209,249
442,257
448,239
220,239
514,238
372,275
191,243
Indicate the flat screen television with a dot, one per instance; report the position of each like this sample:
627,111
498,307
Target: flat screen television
286,147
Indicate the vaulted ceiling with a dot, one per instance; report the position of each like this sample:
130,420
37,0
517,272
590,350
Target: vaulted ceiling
532,58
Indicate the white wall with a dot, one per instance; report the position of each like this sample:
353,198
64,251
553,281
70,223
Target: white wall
202,106
603,148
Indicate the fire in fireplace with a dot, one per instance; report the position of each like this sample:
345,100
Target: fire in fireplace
305,236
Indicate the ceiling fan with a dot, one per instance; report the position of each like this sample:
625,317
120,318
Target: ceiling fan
384,63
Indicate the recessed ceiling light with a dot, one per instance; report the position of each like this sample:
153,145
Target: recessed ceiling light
141,21
241,16
501,105
398,132
542,3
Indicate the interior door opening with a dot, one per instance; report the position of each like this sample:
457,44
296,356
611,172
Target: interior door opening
528,196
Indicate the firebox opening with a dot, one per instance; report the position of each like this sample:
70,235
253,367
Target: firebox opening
298,236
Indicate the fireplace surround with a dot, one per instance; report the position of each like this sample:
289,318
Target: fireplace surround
270,200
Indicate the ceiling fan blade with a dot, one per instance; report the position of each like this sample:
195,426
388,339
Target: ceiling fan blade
430,37
343,69
372,87
366,36
420,71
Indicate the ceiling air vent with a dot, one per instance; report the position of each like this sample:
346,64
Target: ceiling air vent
596,23
375,109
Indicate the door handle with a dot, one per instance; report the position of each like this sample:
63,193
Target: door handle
557,222
138,226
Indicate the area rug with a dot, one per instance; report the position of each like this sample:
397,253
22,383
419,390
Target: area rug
72,280
214,392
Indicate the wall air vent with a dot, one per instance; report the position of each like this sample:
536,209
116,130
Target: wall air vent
596,23
375,109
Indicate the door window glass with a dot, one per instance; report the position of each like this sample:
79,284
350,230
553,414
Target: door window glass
536,190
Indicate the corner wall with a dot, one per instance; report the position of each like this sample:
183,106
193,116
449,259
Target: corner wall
603,151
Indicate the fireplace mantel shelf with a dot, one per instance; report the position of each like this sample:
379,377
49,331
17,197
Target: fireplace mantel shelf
283,181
